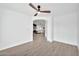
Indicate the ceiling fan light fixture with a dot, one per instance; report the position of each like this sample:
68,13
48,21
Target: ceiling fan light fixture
38,9
38,12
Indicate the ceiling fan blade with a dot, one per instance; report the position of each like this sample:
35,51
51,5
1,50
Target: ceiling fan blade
45,11
36,14
30,4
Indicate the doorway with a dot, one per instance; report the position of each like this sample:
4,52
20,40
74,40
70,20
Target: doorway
39,29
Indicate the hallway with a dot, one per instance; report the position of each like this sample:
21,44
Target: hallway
41,47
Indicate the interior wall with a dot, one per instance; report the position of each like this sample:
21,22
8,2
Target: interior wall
15,28
65,28
78,26
50,29
0,24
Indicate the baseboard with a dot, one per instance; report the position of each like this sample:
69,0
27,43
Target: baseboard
78,47
49,40
14,45
66,42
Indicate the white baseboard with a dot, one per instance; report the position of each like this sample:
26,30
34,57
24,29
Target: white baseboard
50,41
78,47
14,45
66,42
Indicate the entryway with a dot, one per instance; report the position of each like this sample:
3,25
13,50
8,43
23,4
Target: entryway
39,28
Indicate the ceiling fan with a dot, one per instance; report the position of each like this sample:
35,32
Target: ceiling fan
38,9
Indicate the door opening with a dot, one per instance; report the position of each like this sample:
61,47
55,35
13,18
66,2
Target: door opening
39,29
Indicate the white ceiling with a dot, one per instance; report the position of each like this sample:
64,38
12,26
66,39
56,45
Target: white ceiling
56,8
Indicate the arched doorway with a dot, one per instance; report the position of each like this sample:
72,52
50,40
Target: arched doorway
39,28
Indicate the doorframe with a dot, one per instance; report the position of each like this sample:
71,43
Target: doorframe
45,25
49,31
36,18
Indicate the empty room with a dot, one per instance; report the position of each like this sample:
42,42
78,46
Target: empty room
39,29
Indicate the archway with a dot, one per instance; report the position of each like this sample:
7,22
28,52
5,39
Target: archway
39,29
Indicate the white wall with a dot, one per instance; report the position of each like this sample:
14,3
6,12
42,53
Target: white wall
65,28
50,29
15,28
78,27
